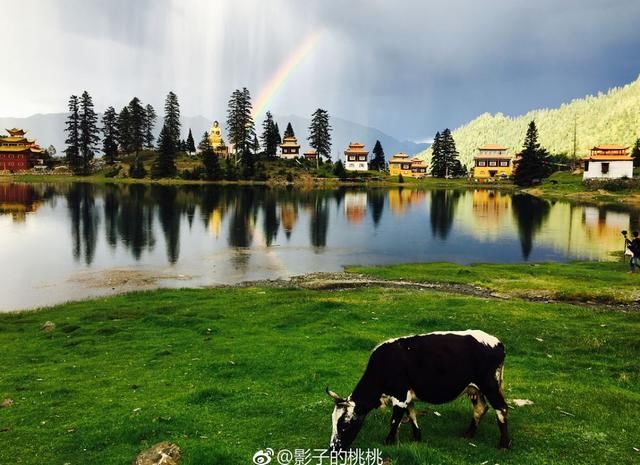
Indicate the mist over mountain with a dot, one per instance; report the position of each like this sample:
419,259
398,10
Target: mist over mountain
607,118
48,129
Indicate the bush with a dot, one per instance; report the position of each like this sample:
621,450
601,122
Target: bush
136,170
112,172
612,185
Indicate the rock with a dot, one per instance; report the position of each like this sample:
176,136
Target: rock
7,403
164,453
48,326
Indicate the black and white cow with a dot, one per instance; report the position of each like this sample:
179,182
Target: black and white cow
436,368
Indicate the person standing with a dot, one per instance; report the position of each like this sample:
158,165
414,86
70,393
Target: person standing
634,247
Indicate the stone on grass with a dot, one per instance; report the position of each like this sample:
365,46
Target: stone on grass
48,326
164,453
6,403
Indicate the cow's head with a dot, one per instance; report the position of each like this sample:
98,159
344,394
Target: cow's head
345,420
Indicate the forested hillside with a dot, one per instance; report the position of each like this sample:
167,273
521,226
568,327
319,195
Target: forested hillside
606,118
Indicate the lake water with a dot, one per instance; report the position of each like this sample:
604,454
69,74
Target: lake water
68,241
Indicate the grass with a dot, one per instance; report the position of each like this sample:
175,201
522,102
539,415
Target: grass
602,282
225,372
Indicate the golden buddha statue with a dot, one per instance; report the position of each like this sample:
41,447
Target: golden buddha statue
215,135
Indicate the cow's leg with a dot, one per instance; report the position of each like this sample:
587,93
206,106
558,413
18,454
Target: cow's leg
396,419
479,409
417,434
496,399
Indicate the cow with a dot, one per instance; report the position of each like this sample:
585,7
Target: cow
436,368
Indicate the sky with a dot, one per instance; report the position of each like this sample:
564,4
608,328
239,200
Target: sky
406,67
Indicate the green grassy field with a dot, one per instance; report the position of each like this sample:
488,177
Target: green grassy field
225,372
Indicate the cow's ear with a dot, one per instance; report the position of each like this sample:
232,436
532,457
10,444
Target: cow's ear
334,396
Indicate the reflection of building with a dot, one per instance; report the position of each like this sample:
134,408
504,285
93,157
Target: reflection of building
288,216
492,161
608,162
17,153
356,157
17,200
401,199
492,211
355,206
400,164
289,149
215,222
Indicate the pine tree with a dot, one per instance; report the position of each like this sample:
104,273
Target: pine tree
137,170
209,159
89,131
378,162
289,131
438,159
110,135
137,125
270,136
279,137
241,129
453,166
72,151
255,145
164,165
339,170
320,134
124,130
191,145
149,124
635,154
532,167
172,119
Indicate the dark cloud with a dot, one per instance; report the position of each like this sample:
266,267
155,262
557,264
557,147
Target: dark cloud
409,67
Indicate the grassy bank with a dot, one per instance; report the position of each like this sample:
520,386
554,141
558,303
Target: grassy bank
601,282
225,372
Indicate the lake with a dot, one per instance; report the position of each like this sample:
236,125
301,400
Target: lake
68,241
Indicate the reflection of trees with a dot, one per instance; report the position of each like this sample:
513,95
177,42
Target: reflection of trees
169,215
84,220
443,207
135,219
242,218
111,207
530,213
271,219
376,205
319,224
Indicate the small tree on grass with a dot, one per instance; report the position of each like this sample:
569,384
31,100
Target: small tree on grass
532,165
339,170
136,169
164,165
635,154
191,145
378,161
210,161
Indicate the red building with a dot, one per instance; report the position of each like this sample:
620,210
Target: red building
17,153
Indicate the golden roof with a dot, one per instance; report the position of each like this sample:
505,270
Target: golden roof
356,148
400,157
492,156
16,132
492,147
605,147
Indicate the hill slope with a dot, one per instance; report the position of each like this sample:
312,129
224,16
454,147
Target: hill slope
612,118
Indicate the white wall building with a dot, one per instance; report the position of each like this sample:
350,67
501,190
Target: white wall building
608,162
356,158
289,149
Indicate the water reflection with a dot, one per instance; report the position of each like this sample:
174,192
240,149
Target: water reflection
226,234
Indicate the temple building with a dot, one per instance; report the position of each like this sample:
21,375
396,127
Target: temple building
356,157
608,162
17,153
216,142
401,164
289,149
492,161
310,154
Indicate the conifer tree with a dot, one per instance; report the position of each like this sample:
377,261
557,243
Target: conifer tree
110,135
270,136
204,143
378,162
191,145
279,138
288,132
149,124
453,166
72,151
241,129
438,160
89,133
320,134
137,125
124,130
164,165
172,119
635,154
255,145
339,170
209,159
532,166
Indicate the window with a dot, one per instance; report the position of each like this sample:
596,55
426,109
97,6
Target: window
605,168
493,163
482,163
362,158
504,163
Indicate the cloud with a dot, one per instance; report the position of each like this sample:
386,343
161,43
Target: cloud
409,67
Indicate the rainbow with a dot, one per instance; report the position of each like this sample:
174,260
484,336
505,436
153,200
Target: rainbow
284,72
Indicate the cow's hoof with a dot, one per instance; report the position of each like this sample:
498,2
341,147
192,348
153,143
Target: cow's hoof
504,445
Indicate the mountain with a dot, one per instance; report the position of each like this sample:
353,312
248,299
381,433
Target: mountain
48,129
611,118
